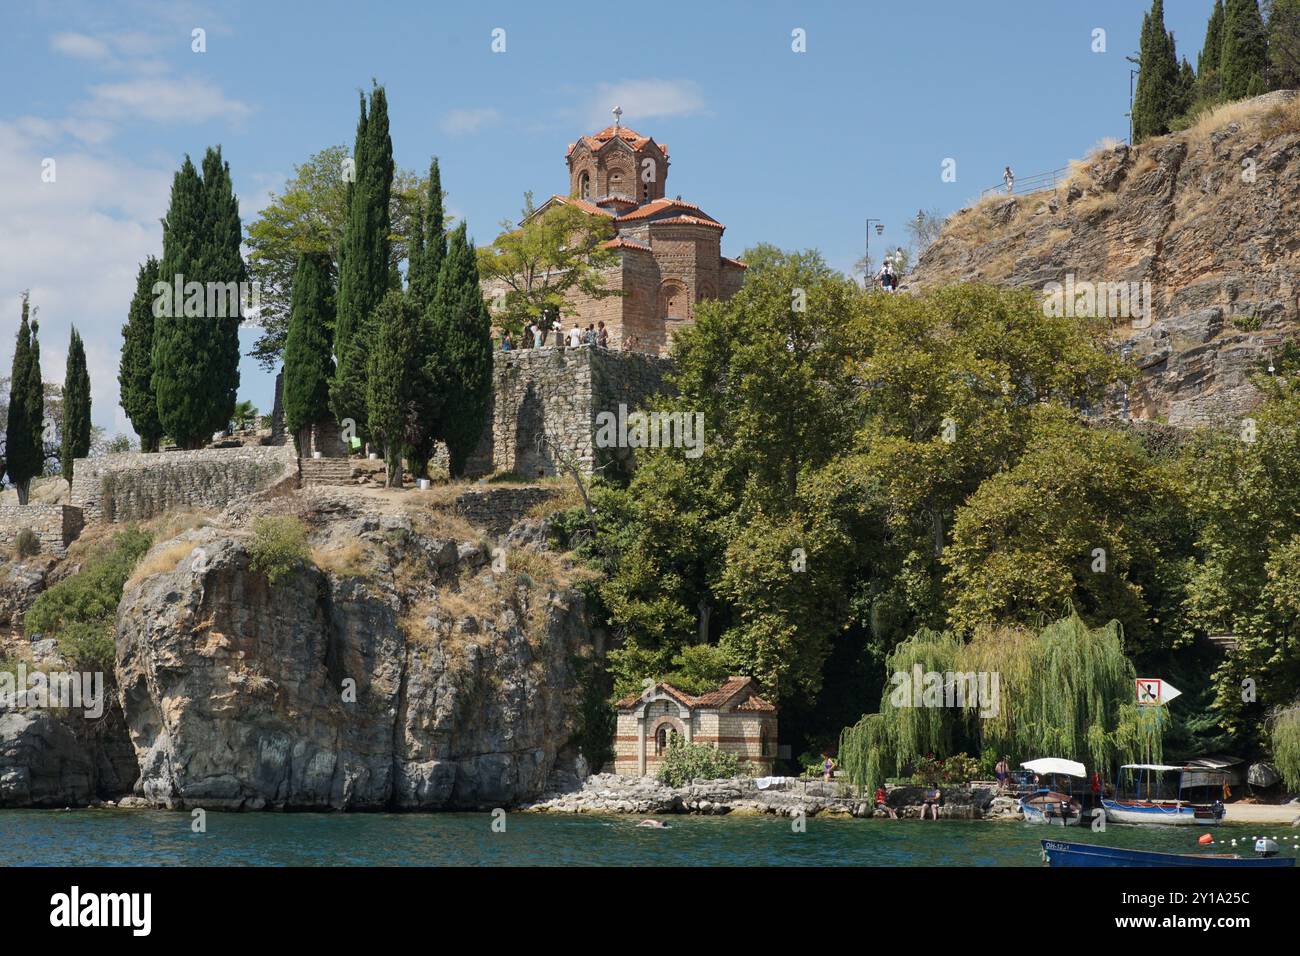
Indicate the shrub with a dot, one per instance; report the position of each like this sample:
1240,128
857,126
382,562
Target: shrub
80,611
279,546
27,544
685,762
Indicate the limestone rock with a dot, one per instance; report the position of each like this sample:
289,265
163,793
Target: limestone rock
357,688
1207,217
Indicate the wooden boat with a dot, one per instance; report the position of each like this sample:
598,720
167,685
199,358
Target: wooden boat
1048,804
1058,853
1147,806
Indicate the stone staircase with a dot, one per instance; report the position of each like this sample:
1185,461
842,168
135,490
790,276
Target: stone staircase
325,471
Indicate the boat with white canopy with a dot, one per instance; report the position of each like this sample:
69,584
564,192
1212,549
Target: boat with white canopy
1147,795
1054,802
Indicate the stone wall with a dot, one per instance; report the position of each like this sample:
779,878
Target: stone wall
55,526
136,486
497,508
557,393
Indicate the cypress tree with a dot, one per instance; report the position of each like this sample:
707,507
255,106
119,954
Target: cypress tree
393,380
1244,57
1155,99
426,261
76,407
196,354
1207,64
135,369
1284,44
1186,89
223,262
462,331
24,446
364,273
308,357
426,264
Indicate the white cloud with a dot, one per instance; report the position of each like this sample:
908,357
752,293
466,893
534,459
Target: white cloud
466,122
642,100
80,46
76,243
163,99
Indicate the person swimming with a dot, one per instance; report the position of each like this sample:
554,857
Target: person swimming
657,824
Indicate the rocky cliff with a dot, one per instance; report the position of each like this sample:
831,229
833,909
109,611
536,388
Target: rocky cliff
408,663
1207,217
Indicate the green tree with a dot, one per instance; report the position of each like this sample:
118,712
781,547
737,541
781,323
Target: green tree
1243,62
24,446
1284,44
196,341
365,269
76,407
1156,97
1242,490
393,380
544,264
1066,525
308,355
1207,64
135,368
308,216
462,332
429,242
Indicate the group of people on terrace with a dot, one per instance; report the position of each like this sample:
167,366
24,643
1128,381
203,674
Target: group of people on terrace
537,333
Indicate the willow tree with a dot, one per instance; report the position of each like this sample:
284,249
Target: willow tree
1065,690
1285,738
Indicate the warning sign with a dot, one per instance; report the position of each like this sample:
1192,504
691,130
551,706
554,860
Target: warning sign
1153,690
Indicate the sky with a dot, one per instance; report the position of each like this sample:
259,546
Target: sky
796,148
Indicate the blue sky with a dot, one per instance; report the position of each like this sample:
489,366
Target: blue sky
791,148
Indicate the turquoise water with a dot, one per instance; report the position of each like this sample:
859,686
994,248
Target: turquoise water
121,837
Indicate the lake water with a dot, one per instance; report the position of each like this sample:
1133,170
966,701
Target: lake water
132,837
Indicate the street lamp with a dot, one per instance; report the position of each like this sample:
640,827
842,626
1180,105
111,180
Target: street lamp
1132,73
866,262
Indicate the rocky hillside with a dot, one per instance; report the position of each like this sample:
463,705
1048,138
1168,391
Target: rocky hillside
407,663
1206,216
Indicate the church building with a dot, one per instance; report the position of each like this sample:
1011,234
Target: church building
669,250
731,717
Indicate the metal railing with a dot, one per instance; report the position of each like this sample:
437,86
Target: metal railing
1030,184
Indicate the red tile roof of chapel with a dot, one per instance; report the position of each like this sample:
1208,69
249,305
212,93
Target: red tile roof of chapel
717,698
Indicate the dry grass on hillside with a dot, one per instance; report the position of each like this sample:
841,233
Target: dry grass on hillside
162,561
1246,113
348,560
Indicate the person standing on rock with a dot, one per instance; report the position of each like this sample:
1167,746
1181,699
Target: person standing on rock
1009,178
1002,770
828,765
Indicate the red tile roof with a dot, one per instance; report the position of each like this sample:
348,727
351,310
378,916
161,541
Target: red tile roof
656,206
690,221
715,699
734,262
629,136
623,242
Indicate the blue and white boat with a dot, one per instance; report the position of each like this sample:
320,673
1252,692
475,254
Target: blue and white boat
1053,804
1058,853
1148,803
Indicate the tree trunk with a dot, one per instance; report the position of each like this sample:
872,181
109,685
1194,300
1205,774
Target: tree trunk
394,461
23,488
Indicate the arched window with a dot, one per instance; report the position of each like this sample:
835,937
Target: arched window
584,185
662,736
616,177
673,302
762,740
